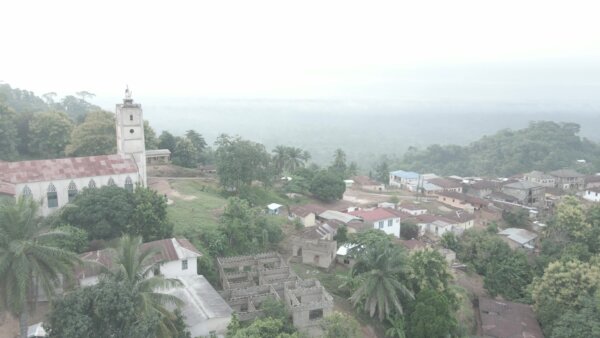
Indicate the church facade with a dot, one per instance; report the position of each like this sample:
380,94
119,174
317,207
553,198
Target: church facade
56,182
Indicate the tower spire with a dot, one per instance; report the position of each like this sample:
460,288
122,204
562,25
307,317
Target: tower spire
127,98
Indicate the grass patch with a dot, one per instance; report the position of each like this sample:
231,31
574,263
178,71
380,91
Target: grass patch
193,215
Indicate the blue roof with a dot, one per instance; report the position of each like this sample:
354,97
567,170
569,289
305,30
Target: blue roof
405,174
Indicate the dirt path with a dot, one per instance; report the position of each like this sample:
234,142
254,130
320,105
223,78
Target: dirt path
163,187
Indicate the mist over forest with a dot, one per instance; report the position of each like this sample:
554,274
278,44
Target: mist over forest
364,129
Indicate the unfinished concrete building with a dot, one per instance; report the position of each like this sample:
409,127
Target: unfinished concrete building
317,252
248,280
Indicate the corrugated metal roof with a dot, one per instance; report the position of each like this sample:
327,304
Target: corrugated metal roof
157,152
405,174
518,235
66,168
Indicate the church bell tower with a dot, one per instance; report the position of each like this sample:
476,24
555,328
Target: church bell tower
130,133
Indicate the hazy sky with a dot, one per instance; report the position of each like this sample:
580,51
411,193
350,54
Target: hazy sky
301,48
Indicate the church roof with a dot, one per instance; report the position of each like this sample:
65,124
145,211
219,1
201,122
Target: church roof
65,168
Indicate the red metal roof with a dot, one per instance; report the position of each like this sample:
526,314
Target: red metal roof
65,168
7,188
373,215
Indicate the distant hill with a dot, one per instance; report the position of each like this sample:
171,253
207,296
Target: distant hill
543,145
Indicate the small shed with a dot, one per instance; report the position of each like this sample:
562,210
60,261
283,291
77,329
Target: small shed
158,156
342,255
519,238
36,331
274,209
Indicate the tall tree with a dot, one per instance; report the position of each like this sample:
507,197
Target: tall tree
563,287
382,170
339,163
196,139
327,186
166,140
150,140
8,133
50,133
239,162
186,154
432,316
95,136
26,262
280,158
381,271
134,266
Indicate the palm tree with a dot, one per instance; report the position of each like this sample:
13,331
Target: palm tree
135,266
27,263
295,159
280,158
379,270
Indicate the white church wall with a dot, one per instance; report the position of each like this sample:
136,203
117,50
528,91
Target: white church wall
39,190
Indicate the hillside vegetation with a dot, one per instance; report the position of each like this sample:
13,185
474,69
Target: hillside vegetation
543,145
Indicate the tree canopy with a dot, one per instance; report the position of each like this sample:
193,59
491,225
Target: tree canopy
543,145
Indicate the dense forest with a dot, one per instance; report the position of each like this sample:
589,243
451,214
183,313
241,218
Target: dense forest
33,127
543,145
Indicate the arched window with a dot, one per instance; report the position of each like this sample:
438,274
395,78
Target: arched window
92,184
128,184
111,182
52,196
72,191
26,192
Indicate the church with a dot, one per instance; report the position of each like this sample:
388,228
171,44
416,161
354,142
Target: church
56,182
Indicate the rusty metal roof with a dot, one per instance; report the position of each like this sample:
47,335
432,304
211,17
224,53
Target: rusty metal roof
65,168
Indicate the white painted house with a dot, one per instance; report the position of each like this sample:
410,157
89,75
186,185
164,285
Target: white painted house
407,180
56,182
592,194
382,219
205,311
177,257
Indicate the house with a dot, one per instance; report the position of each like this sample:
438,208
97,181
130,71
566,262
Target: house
519,238
364,182
407,180
482,188
349,183
158,156
437,225
208,169
388,205
592,181
592,194
503,319
318,252
527,193
461,220
446,184
461,201
274,209
568,179
56,182
248,280
334,215
305,213
205,312
342,256
176,256
539,178
379,218
430,188
413,209
204,309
